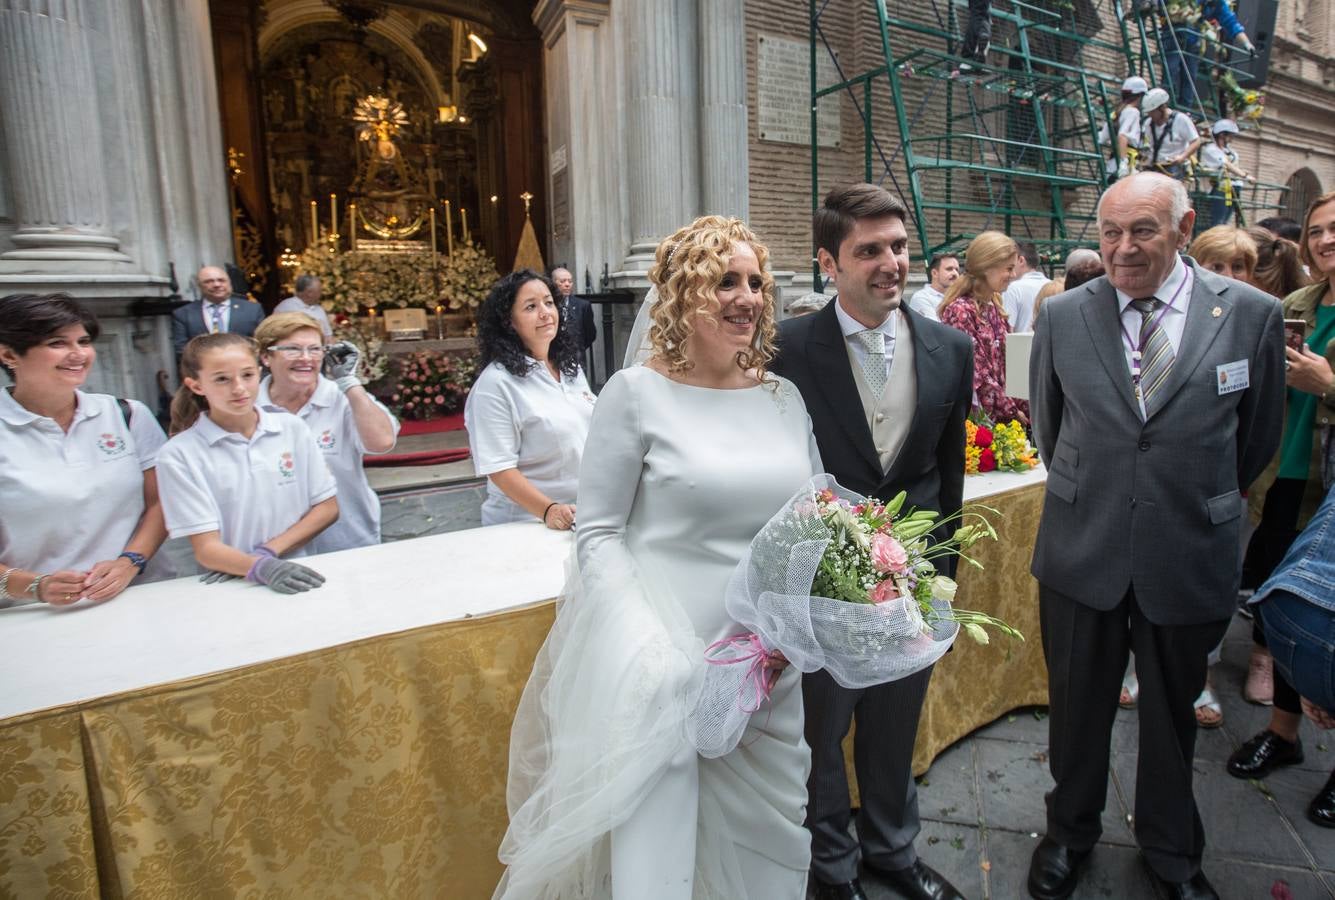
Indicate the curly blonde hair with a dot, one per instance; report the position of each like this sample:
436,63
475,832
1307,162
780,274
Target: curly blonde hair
688,268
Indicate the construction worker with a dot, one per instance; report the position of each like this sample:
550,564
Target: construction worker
1220,161
1168,138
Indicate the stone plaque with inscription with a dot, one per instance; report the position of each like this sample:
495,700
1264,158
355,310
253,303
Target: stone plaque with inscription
783,93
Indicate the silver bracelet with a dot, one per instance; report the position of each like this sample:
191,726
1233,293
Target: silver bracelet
35,587
4,584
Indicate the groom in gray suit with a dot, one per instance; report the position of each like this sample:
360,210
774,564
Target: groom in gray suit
887,391
1156,392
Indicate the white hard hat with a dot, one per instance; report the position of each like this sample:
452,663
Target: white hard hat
1154,99
1225,126
1135,85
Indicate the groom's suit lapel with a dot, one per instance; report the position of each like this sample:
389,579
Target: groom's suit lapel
827,355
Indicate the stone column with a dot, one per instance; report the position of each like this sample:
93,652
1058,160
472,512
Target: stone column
655,76
51,133
724,173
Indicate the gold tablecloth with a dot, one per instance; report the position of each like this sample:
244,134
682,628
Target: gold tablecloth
371,769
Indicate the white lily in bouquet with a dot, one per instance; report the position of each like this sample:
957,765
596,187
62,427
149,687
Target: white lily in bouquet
840,582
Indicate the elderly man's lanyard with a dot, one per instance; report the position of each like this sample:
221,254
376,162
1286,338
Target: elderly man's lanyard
1137,347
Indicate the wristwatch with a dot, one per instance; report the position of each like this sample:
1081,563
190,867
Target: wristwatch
138,559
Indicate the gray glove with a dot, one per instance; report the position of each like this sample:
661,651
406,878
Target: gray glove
340,363
283,575
212,577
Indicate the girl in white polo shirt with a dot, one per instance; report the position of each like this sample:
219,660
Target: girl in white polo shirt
346,420
79,512
248,487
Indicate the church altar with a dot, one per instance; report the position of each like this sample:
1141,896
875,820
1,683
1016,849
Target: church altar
191,740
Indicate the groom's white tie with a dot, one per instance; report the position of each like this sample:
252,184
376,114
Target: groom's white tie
873,361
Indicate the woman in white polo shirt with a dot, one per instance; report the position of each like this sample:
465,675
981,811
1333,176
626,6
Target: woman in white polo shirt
528,414
80,516
346,420
246,486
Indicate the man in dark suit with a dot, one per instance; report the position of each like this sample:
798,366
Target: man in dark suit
576,312
888,392
1156,392
217,311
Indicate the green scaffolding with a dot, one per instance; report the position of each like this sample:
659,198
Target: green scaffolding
1050,79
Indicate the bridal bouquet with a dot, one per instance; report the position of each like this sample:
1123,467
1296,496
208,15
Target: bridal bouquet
840,582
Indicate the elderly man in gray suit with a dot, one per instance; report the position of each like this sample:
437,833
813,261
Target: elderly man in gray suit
1156,392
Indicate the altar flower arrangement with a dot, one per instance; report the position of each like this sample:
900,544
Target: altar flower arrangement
844,583
467,277
428,385
988,447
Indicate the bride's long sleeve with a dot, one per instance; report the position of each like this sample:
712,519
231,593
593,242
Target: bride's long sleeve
609,474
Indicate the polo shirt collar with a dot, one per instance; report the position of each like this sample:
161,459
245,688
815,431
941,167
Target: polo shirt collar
14,413
212,432
326,393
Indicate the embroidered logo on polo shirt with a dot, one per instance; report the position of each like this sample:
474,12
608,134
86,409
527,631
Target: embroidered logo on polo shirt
111,445
287,466
326,440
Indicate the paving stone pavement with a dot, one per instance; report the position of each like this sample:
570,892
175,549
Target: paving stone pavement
982,800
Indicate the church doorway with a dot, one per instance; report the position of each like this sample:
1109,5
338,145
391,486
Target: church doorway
353,120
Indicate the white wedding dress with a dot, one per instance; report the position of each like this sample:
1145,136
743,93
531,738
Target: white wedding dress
607,798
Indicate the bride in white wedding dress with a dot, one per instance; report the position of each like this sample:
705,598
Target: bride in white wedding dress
687,457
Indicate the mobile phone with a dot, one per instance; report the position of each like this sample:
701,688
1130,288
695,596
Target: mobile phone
1295,333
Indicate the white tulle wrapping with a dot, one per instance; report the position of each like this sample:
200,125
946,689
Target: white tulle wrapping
603,713
860,645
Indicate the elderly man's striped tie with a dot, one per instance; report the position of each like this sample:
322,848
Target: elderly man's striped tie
1156,352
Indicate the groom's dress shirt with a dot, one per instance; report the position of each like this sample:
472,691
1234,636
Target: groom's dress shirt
851,326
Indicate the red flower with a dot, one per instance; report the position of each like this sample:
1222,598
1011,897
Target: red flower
983,438
987,460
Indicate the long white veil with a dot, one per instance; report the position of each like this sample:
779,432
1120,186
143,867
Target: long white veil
638,347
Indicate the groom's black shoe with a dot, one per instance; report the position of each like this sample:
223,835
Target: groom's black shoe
849,890
919,882
1054,870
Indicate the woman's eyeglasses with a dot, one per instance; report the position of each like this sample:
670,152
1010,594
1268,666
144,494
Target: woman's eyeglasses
292,351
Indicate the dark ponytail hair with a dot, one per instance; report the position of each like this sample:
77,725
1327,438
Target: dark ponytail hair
186,404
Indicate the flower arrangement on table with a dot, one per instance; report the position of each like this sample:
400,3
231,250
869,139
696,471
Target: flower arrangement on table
427,384
373,362
840,582
467,277
1004,447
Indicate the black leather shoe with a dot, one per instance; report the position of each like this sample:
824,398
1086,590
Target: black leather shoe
1198,887
1263,754
1054,870
1322,808
849,890
919,882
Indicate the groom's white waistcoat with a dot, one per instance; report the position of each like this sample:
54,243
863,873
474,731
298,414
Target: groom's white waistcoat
891,414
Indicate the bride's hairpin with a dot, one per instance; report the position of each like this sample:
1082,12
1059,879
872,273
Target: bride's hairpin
667,260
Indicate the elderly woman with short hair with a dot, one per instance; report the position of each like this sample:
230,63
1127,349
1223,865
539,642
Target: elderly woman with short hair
345,419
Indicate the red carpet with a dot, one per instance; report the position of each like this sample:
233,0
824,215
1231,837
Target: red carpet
420,458
433,426
424,457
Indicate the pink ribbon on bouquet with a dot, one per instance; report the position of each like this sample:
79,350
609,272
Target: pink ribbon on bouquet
750,649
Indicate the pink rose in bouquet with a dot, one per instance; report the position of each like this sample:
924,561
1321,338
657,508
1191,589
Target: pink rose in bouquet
883,592
888,554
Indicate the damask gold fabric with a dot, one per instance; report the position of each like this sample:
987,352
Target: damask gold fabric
373,769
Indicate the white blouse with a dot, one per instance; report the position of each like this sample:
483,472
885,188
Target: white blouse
69,499
533,423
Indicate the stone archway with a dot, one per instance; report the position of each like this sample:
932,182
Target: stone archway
1303,187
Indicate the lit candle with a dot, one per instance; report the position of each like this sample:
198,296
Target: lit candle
315,225
432,210
449,231
352,221
333,215
463,227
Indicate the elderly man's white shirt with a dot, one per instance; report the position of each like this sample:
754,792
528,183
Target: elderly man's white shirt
316,312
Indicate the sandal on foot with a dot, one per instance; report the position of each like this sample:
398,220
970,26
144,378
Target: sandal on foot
1260,686
1209,714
